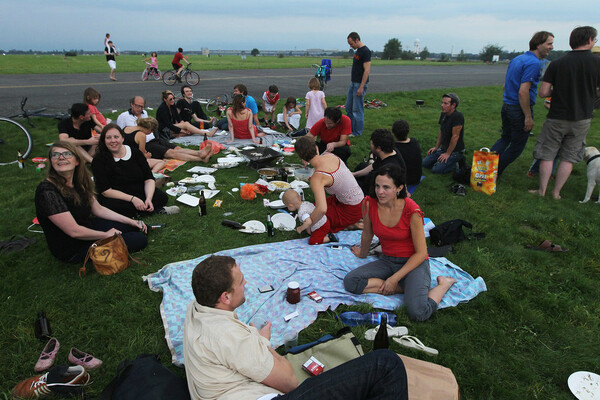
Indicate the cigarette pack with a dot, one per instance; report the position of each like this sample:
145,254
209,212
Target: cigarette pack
313,295
313,366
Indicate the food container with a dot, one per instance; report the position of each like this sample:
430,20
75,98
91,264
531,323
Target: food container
303,173
293,293
268,174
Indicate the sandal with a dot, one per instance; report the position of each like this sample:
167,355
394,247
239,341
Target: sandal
546,245
413,343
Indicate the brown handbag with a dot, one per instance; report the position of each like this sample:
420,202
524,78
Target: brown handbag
109,256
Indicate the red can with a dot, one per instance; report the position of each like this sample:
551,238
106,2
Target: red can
293,293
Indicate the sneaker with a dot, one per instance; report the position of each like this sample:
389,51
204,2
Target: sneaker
60,380
86,360
169,210
48,355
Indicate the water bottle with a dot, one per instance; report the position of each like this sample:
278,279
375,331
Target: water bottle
382,341
42,327
354,318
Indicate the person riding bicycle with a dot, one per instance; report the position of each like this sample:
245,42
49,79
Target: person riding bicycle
176,63
153,63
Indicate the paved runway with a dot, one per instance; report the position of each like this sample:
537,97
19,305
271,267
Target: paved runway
58,91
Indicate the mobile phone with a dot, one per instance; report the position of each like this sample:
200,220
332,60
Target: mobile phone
336,247
158,226
265,289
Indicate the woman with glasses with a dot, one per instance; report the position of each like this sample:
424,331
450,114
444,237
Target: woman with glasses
123,178
170,123
69,213
239,120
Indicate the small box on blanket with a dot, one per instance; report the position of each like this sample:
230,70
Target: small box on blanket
313,366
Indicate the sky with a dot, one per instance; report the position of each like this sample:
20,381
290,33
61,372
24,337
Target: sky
441,26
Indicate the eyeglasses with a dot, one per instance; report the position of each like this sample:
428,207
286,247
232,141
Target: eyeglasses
65,154
138,105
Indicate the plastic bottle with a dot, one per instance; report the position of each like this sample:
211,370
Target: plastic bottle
270,230
382,341
20,160
202,204
42,327
354,318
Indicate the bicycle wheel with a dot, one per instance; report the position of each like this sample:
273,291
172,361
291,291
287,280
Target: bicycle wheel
322,82
14,139
157,75
145,74
192,78
169,78
213,106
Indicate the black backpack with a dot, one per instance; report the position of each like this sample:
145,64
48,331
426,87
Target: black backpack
145,378
451,232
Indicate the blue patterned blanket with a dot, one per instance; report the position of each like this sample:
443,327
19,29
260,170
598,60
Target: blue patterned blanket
319,268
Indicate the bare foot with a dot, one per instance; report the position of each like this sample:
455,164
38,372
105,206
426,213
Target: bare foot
212,131
556,196
446,281
535,191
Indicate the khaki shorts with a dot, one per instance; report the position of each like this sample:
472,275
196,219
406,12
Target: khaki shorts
566,136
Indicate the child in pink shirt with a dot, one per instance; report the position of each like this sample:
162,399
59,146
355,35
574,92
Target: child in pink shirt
91,97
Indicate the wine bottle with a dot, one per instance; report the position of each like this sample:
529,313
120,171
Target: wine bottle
202,204
270,230
382,341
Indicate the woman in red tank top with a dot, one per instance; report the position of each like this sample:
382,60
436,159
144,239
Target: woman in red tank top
404,265
239,119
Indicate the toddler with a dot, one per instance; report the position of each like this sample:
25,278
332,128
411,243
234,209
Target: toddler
315,103
320,230
270,99
290,117
91,97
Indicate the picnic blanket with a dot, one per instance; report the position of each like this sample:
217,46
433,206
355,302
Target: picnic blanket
172,164
224,136
319,268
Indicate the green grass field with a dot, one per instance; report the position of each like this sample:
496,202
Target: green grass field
537,323
58,64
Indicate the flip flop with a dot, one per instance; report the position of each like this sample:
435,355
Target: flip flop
546,245
413,343
396,331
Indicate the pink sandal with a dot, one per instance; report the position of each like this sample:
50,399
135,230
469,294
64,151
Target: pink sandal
48,355
86,360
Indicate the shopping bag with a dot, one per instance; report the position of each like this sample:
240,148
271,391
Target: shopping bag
484,171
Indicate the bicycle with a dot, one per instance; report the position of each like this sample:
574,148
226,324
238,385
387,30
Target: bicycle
191,78
36,113
322,74
218,105
150,72
14,140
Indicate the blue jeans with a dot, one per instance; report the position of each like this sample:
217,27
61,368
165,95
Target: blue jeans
355,108
379,374
514,138
431,161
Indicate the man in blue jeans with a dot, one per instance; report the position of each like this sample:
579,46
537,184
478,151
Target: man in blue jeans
520,92
227,359
361,67
449,148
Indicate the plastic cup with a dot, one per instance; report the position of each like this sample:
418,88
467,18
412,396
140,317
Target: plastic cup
290,340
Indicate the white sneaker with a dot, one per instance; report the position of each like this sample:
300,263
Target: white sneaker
169,210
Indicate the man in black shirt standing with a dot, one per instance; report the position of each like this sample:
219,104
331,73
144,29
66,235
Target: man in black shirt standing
572,81
361,67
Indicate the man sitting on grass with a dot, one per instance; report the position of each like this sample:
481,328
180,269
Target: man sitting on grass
449,148
79,131
227,359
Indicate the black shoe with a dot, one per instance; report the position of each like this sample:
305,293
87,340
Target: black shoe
332,238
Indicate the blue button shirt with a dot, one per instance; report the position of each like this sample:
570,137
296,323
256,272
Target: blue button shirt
524,68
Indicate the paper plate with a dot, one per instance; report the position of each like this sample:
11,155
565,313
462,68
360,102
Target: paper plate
253,226
299,184
277,204
176,191
283,221
585,385
189,200
230,160
280,186
201,170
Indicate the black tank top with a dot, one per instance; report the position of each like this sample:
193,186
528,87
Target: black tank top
129,139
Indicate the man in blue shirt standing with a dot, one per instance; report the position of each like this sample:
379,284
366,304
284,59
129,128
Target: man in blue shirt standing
520,91
361,67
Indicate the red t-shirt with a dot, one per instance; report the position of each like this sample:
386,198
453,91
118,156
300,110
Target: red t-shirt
395,241
344,127
177,58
